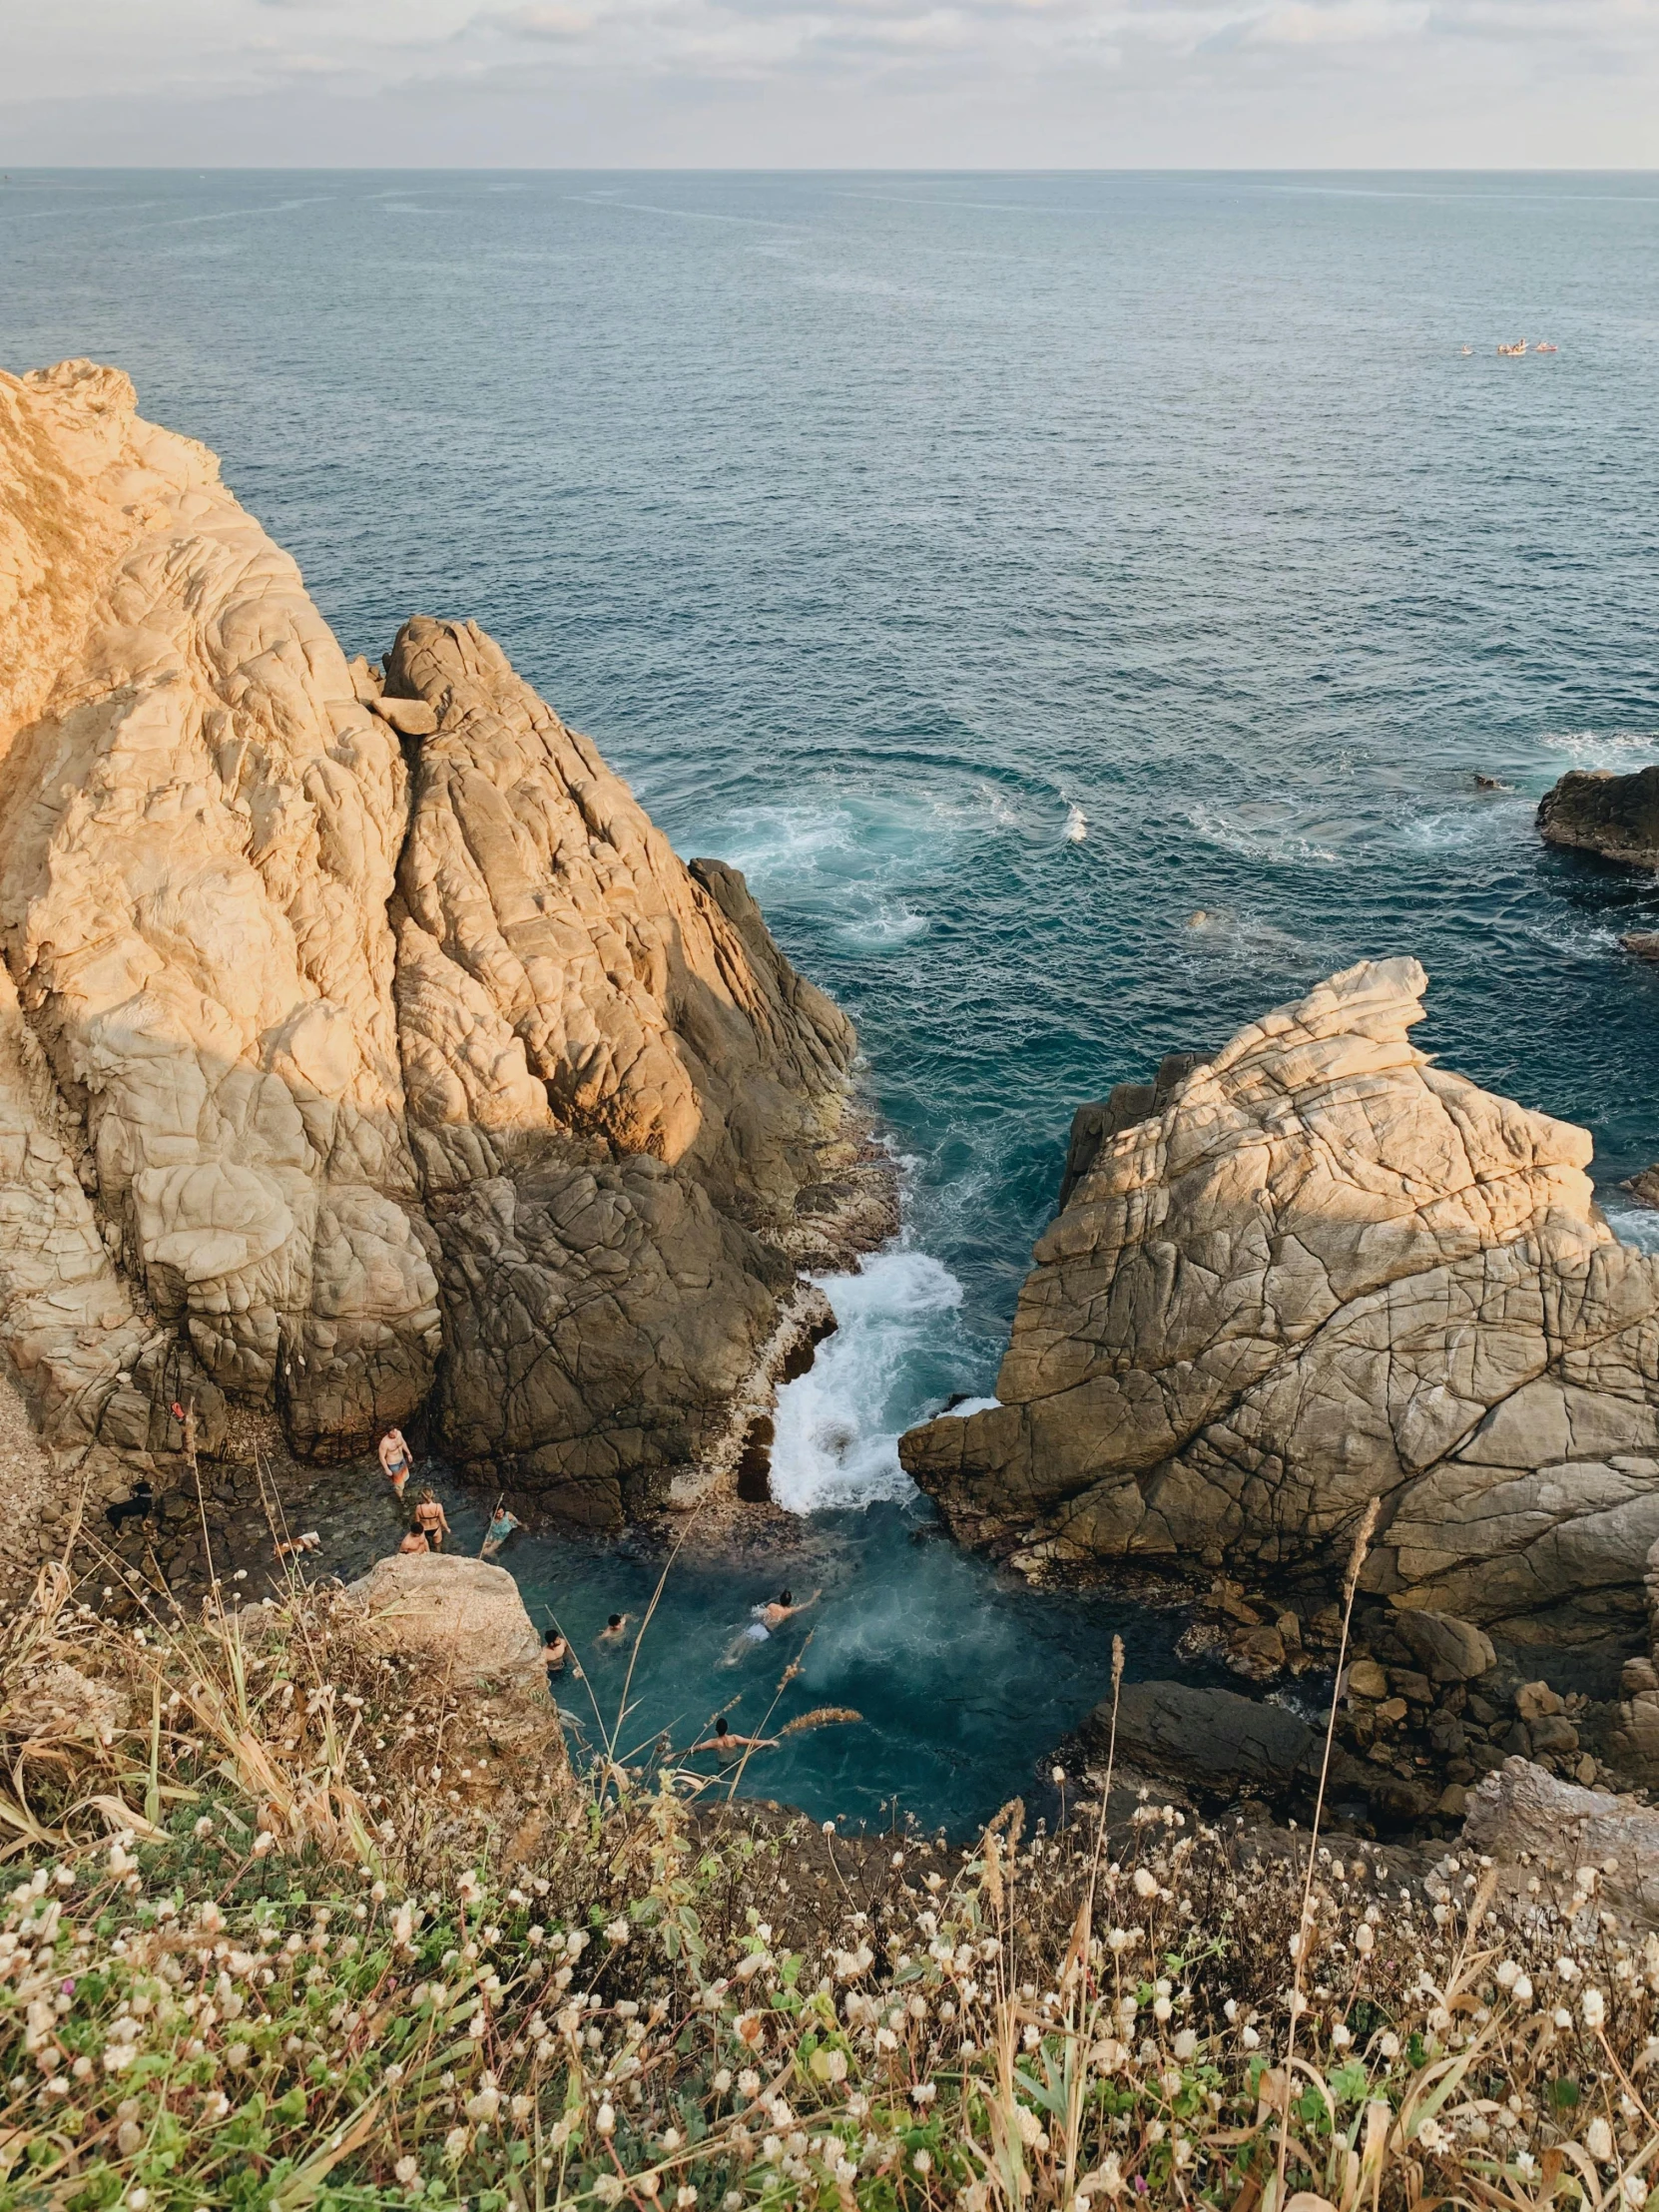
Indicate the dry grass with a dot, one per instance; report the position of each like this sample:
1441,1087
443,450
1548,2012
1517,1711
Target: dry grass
277,1936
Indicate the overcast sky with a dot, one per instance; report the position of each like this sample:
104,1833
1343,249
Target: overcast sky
831,83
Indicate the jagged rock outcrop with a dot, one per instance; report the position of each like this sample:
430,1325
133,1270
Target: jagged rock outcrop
1598,812
199,825
1330,1272
329,999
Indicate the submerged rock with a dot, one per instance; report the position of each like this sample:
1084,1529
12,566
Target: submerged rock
353,1023
1598,812
1329,1272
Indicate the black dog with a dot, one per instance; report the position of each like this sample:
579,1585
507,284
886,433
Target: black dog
138,1507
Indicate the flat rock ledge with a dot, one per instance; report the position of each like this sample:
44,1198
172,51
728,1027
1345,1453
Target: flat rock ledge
1320,1272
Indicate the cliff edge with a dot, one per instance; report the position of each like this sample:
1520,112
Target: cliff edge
363,1046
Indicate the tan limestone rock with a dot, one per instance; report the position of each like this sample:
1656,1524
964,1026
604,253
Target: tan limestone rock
1327,1272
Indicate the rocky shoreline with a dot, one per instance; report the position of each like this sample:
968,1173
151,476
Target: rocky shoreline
368,1057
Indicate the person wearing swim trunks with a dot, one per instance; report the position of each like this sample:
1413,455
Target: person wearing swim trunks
431,1520
554,1652
396,1464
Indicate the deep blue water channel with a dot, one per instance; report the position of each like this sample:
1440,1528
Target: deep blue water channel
1000,569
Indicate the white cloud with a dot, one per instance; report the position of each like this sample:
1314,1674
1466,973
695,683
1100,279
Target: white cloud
901,82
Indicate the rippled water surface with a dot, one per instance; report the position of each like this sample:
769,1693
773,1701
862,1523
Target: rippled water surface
1001,570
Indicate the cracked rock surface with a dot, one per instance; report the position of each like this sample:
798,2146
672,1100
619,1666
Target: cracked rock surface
1326,1270
359,1032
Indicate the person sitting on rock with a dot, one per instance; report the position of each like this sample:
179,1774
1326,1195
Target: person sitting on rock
500,1529
612,1628
727,1746
554,1652
396,1460
414,1540
431,1520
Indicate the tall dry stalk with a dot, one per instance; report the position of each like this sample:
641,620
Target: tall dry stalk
1304,1937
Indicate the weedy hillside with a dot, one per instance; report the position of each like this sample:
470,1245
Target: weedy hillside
277,1932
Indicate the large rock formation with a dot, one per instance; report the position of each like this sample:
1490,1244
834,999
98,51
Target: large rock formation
1598,812
346,1022
1327,1272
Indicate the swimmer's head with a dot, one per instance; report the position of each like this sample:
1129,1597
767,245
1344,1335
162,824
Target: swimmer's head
615,1621
552,1636
785,1598
719,1725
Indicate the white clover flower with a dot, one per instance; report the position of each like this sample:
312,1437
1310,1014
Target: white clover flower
685,2197
723,2082
618,1931
1146,1884
1593,2006
1161,2008
406,2170
924,2093
1521,1990
924,2161
609,2190
263,1843
1185,2046
1364,1937
1598,2141
1562,2017
1341,2036
605,2118
1388,2045
1508,1974
748,2081
1250,2038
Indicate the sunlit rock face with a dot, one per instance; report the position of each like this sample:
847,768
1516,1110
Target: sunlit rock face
1323,1272
347,1015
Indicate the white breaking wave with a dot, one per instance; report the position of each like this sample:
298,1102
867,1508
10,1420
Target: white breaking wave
838,1425
1077,825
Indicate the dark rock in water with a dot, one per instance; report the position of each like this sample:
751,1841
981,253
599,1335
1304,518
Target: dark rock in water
1213,1740
1227,1747
1643,943
1598,812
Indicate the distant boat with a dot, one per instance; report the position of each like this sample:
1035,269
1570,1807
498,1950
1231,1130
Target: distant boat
1510,352
1467,351
1543,347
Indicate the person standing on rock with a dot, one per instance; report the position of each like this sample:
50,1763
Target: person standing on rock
414,1540
395,1461
431,1520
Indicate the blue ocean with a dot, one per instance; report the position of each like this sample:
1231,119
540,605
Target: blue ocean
1080,604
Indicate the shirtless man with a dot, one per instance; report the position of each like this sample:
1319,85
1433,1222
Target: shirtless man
554,1652
396,1464
431,1520
613,1629
728,1747
414,1540
767,1618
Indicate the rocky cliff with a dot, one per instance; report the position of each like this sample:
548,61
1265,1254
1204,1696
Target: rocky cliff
362,1044
1598,812
1325,1270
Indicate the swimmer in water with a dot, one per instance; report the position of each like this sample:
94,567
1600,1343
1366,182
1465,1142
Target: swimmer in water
768,1619
396,1464
612,1631
431,1520
728,1747
554,1652
500,1529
